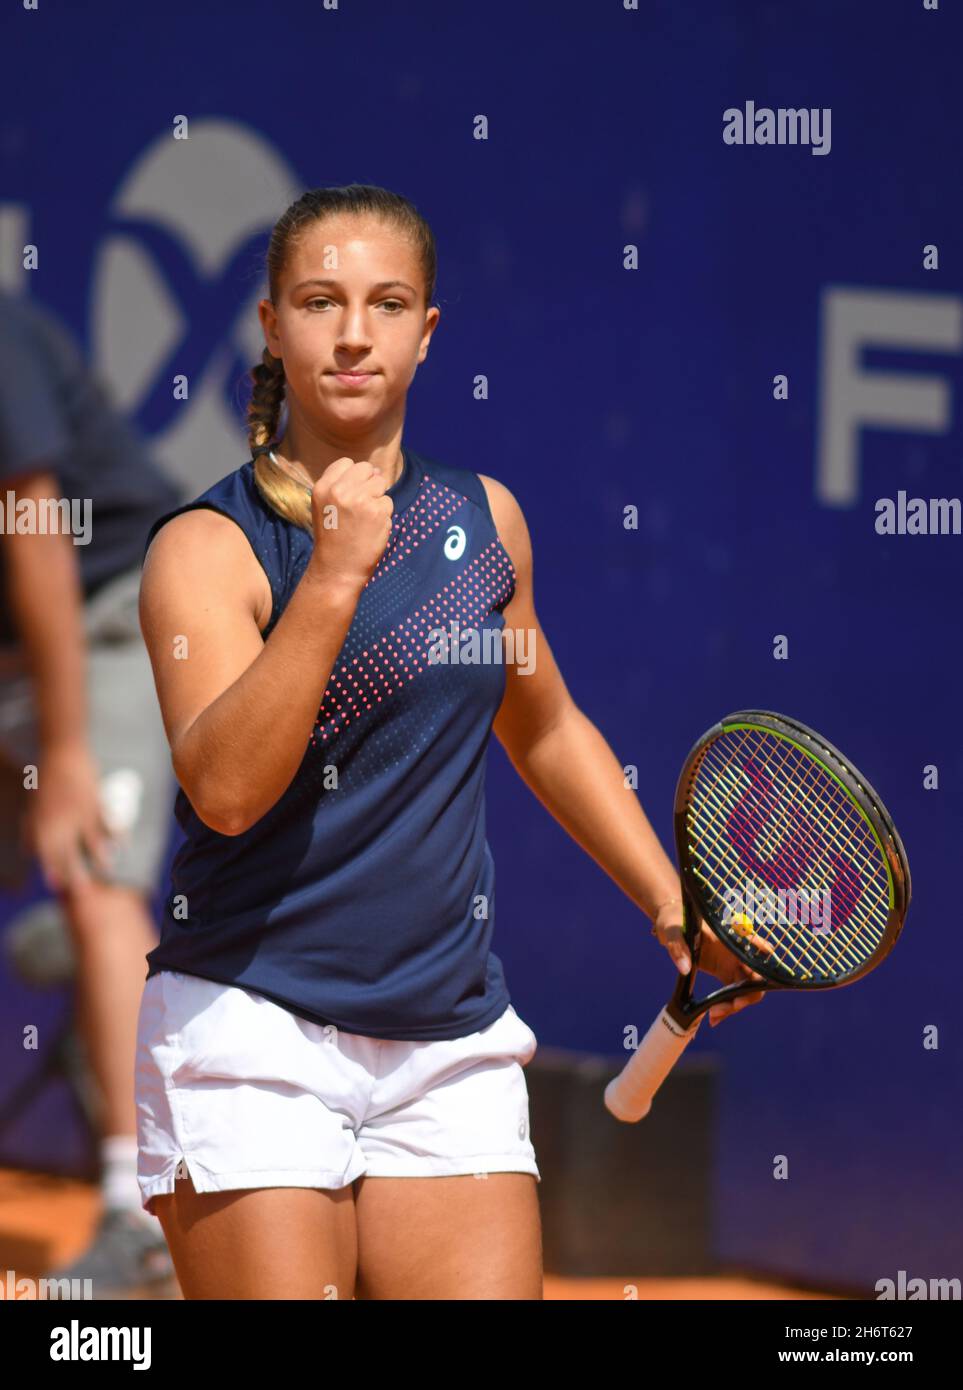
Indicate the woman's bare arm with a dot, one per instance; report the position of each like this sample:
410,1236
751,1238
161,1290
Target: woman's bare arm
46,604
238,710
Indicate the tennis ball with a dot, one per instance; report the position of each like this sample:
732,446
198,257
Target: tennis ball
742,924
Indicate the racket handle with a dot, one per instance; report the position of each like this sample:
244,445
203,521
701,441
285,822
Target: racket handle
628,1096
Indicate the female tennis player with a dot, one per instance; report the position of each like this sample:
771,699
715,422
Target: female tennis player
330,1094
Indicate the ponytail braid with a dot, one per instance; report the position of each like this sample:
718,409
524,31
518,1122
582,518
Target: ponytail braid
277,487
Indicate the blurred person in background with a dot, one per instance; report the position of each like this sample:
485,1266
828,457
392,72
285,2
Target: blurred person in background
77,703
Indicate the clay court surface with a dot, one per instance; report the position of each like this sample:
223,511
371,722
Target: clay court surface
46,1220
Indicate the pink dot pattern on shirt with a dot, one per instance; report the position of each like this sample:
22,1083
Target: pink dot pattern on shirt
359,684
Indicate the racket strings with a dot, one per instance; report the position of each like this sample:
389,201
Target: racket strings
795,951
833,951
763,811
853,857
750,828
809,785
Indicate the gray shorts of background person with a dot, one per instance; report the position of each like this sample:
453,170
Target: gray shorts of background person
126,736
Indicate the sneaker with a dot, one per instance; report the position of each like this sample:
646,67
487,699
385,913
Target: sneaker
125,1259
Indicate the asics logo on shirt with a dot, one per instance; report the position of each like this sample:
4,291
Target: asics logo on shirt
455,544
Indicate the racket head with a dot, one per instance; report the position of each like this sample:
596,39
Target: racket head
778,834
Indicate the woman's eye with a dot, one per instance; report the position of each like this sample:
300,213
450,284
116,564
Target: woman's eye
387,303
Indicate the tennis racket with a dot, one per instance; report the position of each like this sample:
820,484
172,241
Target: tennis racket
790,856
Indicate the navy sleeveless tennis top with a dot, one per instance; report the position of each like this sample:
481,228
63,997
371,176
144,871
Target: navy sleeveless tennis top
365,896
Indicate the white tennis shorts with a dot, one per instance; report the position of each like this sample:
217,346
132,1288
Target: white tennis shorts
243,1093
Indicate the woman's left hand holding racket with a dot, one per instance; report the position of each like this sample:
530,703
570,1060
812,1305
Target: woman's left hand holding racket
714,959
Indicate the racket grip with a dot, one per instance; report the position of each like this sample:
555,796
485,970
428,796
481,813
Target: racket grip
628,1096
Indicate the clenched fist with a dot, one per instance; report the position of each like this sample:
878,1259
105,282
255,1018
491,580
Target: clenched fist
349,541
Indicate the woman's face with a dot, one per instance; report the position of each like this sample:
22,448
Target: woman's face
350,301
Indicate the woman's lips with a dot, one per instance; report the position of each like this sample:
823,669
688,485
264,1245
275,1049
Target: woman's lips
353,378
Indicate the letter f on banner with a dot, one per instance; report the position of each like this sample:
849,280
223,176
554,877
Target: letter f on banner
851,398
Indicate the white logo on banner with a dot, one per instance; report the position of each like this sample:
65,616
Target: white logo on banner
183,214
855,397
